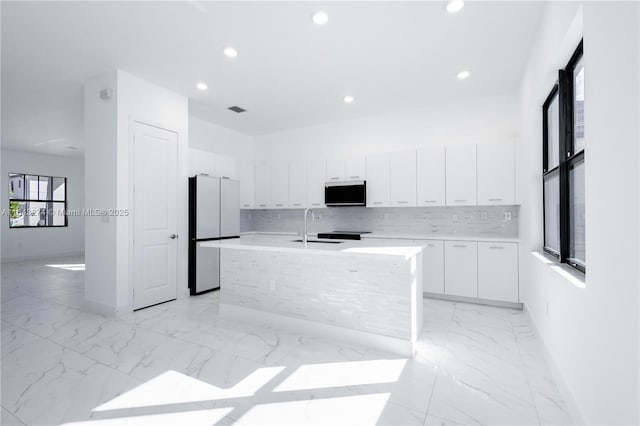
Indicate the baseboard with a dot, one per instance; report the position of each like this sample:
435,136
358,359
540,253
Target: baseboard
572,405
384,343
100,309
41,257
183,293
473,300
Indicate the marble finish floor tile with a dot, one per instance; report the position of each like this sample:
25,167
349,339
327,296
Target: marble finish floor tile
181,363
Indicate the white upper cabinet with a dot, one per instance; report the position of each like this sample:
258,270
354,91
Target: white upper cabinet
336,170
431,176
297,185
496,174
201,162
316,178
356,168
498,271
247,186
461,175
225,167
378,180
263,186
279,186
402,178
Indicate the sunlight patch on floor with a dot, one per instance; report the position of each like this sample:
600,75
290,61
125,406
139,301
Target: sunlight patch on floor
69,266
336,374
347,410
191,418
172,387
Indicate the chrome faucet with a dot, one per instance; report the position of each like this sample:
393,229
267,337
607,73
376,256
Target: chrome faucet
313,217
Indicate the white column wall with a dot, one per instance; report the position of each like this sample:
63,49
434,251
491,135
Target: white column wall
590,328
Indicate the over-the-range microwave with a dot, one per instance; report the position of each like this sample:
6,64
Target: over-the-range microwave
338,194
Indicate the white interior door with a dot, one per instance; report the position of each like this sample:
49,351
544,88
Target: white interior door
155,213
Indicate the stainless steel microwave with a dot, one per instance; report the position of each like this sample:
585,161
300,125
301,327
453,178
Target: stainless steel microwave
345,193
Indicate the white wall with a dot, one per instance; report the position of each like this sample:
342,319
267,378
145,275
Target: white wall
100,148
590,328
207,136
29,243
109,244
493,119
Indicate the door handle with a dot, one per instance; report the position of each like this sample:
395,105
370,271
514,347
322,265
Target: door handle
173,236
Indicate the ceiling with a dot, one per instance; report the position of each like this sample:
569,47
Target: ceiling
289,73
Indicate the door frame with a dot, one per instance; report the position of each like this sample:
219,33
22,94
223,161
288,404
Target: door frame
133,120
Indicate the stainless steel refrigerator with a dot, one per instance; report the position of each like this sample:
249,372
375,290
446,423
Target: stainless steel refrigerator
214,214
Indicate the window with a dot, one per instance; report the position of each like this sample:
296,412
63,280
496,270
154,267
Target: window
37,201
563,166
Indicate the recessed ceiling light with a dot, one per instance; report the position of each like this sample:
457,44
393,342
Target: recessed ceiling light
348,99
202,86
463,75
230,52
320,18
455,6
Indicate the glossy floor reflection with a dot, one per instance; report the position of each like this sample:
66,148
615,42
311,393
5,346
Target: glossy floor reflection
179,363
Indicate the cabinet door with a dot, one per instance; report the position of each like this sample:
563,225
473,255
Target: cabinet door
279,186
336,170
461,268
356,168
263,186
316,179
461,175
431,176
201,162
496,174
226,167
433,266
247,186
298,185
378,180
498,271
402,178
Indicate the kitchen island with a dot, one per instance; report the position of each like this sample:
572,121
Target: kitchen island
367,292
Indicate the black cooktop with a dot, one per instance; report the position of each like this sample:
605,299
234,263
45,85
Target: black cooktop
342,235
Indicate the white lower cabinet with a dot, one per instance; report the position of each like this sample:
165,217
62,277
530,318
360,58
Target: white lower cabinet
433,266
498,271
461,268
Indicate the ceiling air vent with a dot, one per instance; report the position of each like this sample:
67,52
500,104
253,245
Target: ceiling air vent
237,109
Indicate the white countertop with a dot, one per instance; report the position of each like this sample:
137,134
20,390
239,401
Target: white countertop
284,243
394,236
401,236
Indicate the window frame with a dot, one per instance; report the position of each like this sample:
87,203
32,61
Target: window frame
49,203
568,158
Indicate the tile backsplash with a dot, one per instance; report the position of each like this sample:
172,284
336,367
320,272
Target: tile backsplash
475,221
